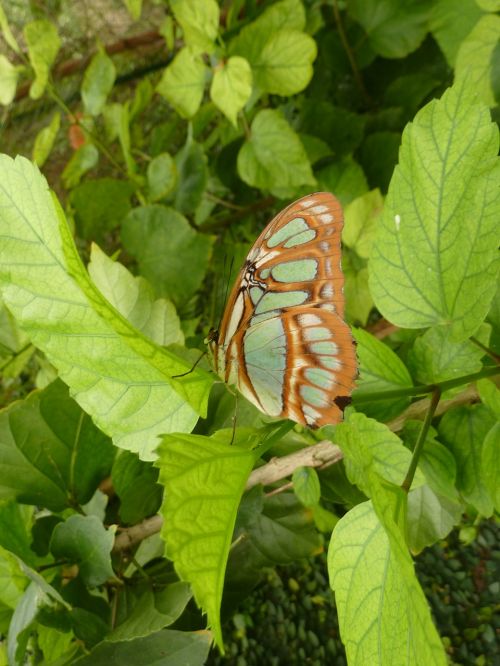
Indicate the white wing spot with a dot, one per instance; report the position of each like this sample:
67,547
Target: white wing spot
328,306
324,246
327,291
308,203
319,209
328,268
326,218
309,320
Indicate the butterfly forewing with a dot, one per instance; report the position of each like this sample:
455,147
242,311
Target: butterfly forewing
283,341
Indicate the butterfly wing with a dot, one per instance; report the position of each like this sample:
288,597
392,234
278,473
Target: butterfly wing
283,341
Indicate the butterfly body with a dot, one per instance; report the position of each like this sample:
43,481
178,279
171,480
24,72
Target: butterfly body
283,341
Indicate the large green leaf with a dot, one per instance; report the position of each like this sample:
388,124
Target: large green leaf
434,260
51,453
204,479
383,614
274,157
464,430
475,55
380,370
200,22
98,82
183,82
43,44
85,541
170,253
394,29
122,379
431,517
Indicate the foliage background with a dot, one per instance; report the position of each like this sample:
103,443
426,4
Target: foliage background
171,133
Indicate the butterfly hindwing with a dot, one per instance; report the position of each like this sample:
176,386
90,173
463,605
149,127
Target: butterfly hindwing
283,341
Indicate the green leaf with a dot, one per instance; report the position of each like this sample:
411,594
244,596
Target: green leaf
7,33
360,222
231,86
15,526
449,27
279,53
443,200
54,643
191,163
84,159
133,398
369,446
135,484
430,517
134,298
273,157
436,461
100,205
134,8
98,82
8,81
12,579
340,128
383,613
164,244
463,430
394,30
435,358
490,395
162,176
183,82
43,44
345,178
490,464
474,57
358,299
85,541
44,140
380,370
163,648
153,612
199,20
204,480
74,459
284,66
306,485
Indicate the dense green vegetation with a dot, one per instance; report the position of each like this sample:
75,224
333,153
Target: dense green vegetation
131,514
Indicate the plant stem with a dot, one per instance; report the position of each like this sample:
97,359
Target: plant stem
364,397
436,395
486,350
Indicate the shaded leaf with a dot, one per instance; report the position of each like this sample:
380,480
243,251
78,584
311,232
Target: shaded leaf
306,485
199,20
273,157
8,80
83,159
162,176
164,243
74,458
360,219
100,205
44,140
83,540
380,370
430,516
490,464
449,27
192,170
135,484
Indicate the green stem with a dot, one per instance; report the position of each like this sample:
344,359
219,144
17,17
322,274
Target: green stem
364,397
436,395
486,350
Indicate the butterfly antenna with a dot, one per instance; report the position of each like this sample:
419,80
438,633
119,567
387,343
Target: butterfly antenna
228,282
188,372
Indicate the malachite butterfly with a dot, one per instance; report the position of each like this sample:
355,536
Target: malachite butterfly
283,341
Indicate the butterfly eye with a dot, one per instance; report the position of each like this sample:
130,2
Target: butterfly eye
283,341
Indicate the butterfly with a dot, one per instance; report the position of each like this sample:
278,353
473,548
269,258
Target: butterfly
283,341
